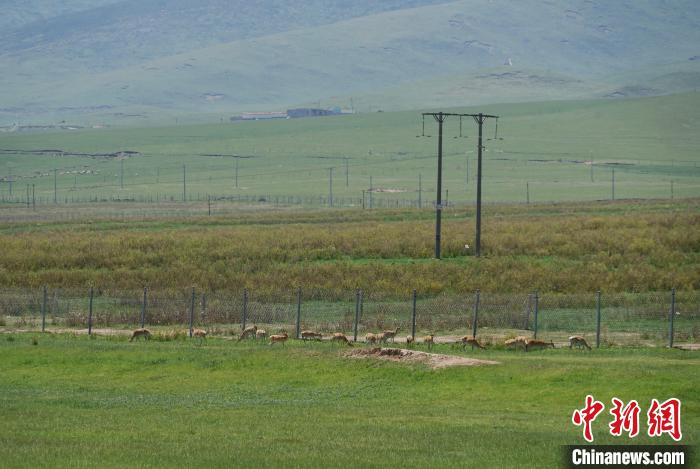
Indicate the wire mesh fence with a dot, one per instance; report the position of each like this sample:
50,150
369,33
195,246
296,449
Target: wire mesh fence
632,319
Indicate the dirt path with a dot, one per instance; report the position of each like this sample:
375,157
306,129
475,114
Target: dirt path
433,360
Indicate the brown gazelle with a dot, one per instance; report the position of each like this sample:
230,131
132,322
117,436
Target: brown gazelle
260,334
579,342
429,340
340,337
371,338
409,340
311,335
249,331
280,338
469,340
145,333
199,334
519,341
535,344
389,335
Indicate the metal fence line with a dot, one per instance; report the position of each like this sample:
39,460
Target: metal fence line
654,318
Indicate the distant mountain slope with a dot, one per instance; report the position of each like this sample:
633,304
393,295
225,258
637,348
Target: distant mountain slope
217,56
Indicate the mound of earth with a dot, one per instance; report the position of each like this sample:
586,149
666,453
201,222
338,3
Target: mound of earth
433,360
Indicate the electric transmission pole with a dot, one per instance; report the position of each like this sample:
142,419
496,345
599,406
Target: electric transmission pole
479,119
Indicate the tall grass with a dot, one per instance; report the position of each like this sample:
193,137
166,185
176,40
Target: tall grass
551,250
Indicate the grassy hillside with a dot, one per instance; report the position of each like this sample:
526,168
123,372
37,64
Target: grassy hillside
134,57
73,401
549,148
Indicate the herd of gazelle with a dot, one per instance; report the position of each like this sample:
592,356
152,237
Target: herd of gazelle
253,332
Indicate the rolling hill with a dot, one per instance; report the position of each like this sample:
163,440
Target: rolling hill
106,61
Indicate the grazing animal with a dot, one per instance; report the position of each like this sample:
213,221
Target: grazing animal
199,333
145,333
519,341
578,341
390,335
260,334
311,335
409,340
429,340
468,340
248,332
535,344
340,337
282,338
371,338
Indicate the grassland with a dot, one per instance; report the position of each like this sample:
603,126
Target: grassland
73,401
554,151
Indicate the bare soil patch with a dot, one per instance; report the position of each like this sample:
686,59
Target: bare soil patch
433,360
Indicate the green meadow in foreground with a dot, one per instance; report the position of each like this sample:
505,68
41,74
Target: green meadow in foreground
72,401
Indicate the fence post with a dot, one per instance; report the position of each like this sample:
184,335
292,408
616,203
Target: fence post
192,313
245,307
537,308
673,313
597,321
476,314
357,312
90,312
204,309
413,318
298,313
143,308
43,311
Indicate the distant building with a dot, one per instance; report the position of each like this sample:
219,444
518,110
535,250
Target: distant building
258,116
311,112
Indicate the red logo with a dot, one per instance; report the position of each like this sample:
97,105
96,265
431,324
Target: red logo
587,415
665,418
662,418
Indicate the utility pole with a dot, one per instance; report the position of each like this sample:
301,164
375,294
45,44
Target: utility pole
184,183
55,198
527,192
479,119
370,192
347,173
613,183
467,171
420,192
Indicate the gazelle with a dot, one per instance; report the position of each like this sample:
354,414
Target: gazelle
145,333
519,341
409,340
260,334
389,335
340,337
535,344
281,338
311,335
248,332
578,341
429,340
371,338
468,340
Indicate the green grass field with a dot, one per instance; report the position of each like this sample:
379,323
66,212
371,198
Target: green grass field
74,401
557,151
